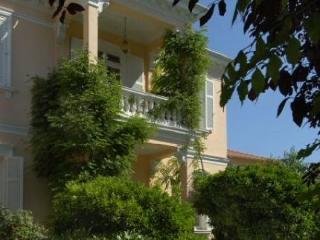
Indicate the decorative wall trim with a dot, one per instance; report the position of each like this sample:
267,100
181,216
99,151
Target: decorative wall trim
219,57
163,9
210,159
14,129
42,22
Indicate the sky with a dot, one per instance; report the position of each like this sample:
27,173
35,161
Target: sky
254,127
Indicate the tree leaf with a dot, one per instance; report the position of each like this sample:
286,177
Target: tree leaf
242,90
226,91
222,7
293,50
298,107
285,84
260,52
204,19
175,2
59,8
281,106
258,81
313,27
192,4
252,95
274,67
248,21
63,16
74,8
243,62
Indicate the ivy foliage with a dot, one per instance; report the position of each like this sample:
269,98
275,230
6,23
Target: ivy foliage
76,125
111,206
256,202
181,68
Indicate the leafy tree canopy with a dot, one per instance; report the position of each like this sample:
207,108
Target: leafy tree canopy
256,202
283,56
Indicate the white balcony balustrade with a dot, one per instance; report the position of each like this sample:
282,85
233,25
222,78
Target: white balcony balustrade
137,103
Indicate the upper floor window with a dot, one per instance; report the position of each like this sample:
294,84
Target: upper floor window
5,49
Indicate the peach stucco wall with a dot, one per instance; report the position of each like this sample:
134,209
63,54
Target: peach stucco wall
216,142
32,54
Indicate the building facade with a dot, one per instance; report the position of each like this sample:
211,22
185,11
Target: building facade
128,34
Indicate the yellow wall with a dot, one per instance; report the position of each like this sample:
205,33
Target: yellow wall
32,54
216,143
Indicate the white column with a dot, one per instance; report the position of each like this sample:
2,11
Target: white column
91,26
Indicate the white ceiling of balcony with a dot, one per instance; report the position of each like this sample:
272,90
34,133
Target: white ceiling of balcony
138,29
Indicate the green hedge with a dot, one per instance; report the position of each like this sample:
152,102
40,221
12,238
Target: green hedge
110,206
19,226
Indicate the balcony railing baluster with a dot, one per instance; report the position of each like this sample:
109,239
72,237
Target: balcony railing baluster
142,103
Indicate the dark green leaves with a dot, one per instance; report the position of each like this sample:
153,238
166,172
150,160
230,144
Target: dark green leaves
274,67
243,90
222,7
74,8
175,2
281,106
205,18
299,108
293,50
61,10
285,83
258,81
192,4
313,27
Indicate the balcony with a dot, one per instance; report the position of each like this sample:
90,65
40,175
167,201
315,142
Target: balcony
138,103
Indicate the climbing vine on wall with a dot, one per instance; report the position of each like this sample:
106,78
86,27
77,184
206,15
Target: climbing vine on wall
180,75
75,123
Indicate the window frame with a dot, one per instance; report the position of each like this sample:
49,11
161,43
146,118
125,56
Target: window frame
7,81
209,126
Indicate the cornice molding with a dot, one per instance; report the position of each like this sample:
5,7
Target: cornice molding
163,10
209,158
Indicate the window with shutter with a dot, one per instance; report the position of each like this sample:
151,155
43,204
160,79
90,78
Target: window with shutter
5,49
11,182
209,104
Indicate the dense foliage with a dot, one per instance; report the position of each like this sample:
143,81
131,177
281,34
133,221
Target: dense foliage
110,206
292,160
284,56
181,69
256,202
19,226
75,123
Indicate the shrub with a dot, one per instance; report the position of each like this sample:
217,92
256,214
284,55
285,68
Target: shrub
109,206
255,202
75,123
19,226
